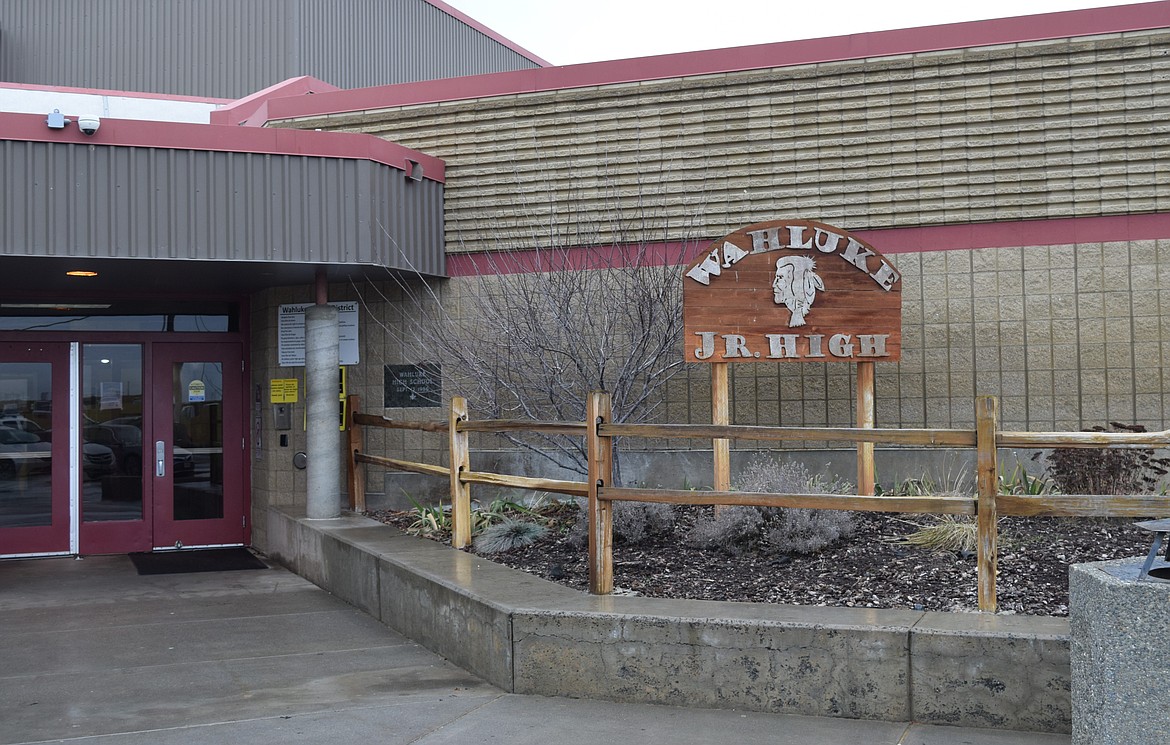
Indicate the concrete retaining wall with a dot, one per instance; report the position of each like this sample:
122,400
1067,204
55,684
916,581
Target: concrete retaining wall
527,635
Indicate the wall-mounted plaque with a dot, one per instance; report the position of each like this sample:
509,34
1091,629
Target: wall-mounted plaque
412,386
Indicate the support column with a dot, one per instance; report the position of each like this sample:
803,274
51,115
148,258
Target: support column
323,432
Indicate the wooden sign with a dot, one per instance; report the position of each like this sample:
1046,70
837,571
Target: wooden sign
792,291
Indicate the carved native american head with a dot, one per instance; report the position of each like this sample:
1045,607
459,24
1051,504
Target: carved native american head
795,286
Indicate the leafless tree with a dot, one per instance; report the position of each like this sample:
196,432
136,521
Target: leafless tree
537,322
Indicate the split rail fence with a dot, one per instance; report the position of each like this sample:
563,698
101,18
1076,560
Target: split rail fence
599,430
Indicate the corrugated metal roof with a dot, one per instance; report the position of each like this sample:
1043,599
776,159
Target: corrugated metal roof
230,48
876,44
66,200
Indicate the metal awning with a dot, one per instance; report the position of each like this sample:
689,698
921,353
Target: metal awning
230,216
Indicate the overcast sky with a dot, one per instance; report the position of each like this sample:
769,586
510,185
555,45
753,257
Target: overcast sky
565,32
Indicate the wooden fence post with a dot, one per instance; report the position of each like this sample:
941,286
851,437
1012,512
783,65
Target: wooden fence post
865,420
598,410
987,479
721,414
460,461
355,444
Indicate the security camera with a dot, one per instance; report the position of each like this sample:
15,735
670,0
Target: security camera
88,124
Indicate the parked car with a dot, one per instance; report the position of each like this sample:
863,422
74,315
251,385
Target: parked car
125,440
22,453
97,460
23,423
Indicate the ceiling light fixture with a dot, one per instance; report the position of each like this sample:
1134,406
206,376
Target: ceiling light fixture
81,273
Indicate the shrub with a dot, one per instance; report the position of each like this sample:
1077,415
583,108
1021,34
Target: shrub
807,531
948,533
437,522
1019,481
507,535
731,530
632,522
953,482
1099,471
775,530
430,520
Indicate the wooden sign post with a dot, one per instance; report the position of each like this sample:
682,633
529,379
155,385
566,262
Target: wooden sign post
792,291
866,479
721,414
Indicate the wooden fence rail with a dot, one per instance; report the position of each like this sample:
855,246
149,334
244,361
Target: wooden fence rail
942,505
923,437
599,431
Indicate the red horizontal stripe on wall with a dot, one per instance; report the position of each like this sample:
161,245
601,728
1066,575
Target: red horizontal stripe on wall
1020,233
1120,228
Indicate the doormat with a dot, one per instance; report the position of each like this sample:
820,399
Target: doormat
197,560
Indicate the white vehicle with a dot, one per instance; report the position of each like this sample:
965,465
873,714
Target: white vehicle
21,422
23,453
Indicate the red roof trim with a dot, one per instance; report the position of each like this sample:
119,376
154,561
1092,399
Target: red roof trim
857,46
1058,232
252,110
179,136
463,17
889,241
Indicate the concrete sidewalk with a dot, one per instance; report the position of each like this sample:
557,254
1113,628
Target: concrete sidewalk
90,650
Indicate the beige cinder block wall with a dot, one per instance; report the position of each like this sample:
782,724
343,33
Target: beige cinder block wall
1067,335
1064,128
275,481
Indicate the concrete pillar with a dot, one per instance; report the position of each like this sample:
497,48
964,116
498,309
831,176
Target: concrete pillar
323,436
1119,653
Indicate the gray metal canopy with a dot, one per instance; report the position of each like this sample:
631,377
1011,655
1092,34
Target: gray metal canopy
210,219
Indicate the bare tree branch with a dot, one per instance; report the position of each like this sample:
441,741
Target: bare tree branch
547,317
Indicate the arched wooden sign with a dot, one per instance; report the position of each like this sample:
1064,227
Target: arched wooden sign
792,291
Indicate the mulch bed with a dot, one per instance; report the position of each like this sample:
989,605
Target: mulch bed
868,570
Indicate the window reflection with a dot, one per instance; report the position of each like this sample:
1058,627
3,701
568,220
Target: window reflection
26,466
198,443
111,429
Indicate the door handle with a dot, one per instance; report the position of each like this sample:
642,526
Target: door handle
160,459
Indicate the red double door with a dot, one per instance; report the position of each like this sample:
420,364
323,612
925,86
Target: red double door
120,447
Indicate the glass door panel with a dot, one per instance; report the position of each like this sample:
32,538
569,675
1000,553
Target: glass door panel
197,465
114,508
111,430
26,454
34,466
197,448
